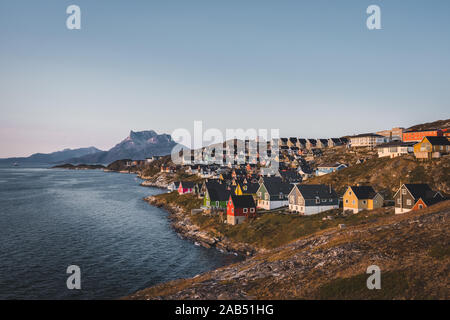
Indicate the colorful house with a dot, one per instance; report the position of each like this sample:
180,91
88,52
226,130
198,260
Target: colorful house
216,195
273,193
416,136
308,199
415,197
359,198
432,147
368,140
185,187
240,208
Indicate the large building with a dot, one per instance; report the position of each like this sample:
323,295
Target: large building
370,140
395,149
393,134
417,136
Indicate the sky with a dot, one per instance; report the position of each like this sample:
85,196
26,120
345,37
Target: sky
309,68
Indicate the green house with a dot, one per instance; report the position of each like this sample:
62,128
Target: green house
216,195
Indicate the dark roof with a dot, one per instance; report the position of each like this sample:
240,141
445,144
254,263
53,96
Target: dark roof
311,191
420,190
396,143
364,192
251,187
245,201
438,141
330,165
366,135
275,187
187,184
302,141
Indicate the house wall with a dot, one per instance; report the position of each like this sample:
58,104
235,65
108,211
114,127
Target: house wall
376,202
234,220
403,202
419,205
269,205
419,135
310,210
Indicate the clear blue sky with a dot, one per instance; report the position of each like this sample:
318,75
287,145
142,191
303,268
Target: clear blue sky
310,68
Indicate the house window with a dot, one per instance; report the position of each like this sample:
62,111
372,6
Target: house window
346,200
353,201
403,191
245,210
420,206
267,196
399,201
324,200
364,202
317,200
217,203
252,210
349,193
331,200
408,202
232,210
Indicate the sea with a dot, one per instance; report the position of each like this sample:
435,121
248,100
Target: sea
54,219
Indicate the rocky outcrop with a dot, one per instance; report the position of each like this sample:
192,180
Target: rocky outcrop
182,223
159,180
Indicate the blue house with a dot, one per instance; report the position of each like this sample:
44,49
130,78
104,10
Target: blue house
329,168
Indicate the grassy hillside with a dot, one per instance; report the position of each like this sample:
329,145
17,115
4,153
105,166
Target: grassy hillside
385,174
411,250
272,230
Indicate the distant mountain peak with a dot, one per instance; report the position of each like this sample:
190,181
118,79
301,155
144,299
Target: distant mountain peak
137,146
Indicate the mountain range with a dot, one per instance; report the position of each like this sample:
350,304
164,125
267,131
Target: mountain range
137,146
54,157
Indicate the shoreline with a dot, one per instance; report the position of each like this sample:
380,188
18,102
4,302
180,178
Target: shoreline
182,224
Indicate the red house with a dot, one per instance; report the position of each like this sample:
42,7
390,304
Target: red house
411,136
239,208
185,187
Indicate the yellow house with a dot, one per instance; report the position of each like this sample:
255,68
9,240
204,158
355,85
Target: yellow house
432,147
358,198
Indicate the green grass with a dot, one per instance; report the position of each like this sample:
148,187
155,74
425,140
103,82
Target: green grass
185,201
272,230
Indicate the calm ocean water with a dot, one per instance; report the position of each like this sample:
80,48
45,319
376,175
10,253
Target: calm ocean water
50,219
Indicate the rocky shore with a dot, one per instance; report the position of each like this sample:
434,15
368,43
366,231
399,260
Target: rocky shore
183,225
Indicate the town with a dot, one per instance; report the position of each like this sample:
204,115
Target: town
241,190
